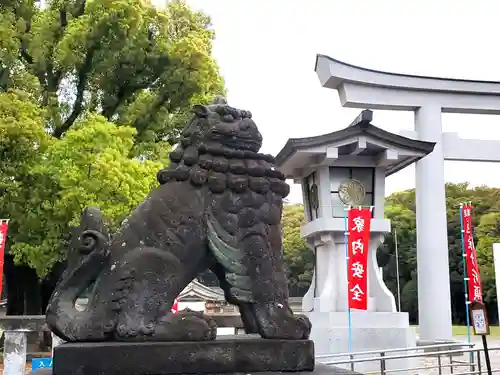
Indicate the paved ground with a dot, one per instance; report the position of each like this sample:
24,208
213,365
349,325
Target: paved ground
493,344
461,363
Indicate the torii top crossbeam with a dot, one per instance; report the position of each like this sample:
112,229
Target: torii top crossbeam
408,91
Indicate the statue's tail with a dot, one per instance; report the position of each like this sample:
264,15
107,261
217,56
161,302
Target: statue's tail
87,257
62,316
81,245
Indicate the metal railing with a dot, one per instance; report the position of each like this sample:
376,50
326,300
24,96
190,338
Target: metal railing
355,356
443,356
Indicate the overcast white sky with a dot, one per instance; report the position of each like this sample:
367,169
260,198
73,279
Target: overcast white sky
266,50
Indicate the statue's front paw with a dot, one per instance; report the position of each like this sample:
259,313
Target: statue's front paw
186,325
303,326
277,321
136,331
297,327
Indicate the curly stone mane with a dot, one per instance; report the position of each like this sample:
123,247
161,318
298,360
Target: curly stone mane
208,160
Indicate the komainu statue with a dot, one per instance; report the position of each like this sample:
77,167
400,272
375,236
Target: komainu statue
218,207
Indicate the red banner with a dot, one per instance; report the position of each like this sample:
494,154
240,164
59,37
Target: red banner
4,226
358,229
175,306
474,284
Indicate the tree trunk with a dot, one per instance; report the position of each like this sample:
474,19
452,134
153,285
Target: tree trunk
23,289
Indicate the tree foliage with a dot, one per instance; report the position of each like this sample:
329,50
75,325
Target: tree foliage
52,184
299,259
93,93
126,60
400,209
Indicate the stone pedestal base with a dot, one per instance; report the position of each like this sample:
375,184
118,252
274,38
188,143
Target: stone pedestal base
319,370
236,354
370,331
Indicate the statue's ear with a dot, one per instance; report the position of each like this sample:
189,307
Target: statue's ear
200,110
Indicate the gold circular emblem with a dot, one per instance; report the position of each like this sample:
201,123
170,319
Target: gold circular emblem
352,192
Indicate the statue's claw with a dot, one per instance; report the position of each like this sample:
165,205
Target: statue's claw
277,321
304,321
138,331
186,325
148,329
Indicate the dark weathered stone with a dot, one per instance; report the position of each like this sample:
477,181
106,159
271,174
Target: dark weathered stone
319,370
232,354
219,207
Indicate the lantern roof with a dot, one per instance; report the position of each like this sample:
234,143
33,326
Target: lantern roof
361,144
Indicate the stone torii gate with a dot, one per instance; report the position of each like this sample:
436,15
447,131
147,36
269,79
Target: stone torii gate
427,97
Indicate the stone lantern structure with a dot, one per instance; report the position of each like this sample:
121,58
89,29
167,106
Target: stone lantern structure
348,168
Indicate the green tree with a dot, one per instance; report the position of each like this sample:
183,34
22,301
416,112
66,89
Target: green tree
403,224
126,60
113,71
488,233
485,219
23,141
89,166
299,259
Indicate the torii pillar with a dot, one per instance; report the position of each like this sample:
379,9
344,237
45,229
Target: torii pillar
427,97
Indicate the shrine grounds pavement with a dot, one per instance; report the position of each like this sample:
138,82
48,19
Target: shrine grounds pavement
493,343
